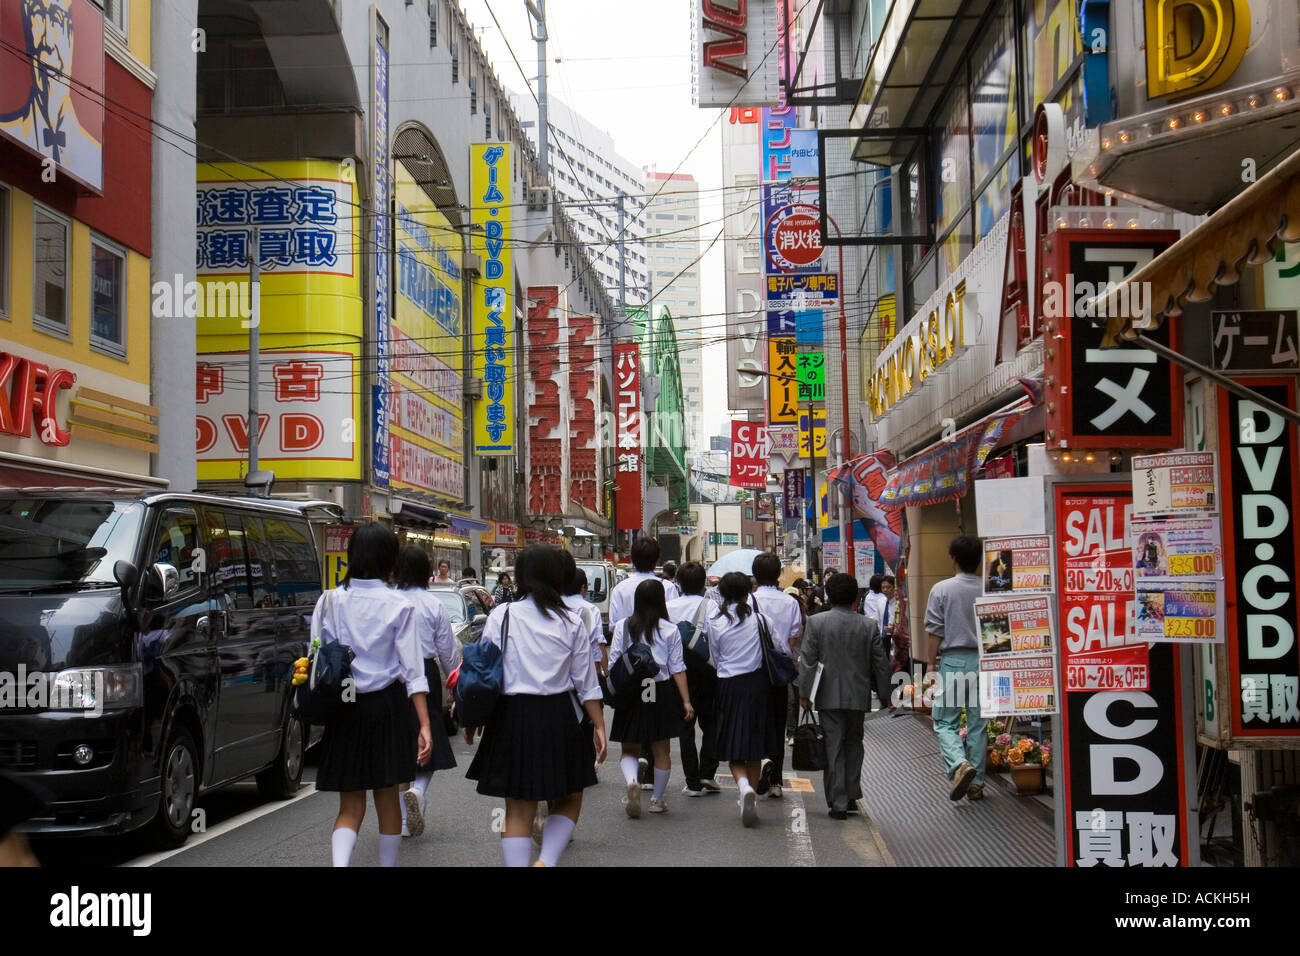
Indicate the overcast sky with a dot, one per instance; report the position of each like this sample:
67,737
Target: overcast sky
627,68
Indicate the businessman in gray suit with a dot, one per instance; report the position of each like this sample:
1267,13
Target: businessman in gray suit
852,655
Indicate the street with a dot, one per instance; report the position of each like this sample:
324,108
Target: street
242,830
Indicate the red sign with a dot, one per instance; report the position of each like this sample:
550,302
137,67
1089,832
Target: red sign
627,411
584,386
1123,765
1126,397
749,451
1260,462
547,441
28,393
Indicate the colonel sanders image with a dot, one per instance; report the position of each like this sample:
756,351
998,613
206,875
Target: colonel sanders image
48,123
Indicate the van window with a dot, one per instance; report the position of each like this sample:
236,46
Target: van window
238,578
297,572
46,541
175,543
260,563
225,558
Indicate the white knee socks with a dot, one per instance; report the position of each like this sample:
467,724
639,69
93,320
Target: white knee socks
517,850
341,843
629,767
388,844
555,837
422,784
743,784
661,783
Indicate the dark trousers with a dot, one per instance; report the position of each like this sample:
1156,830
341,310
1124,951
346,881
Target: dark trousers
777,702
792,711
702,682
843,777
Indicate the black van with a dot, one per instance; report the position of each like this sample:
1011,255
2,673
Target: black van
147,644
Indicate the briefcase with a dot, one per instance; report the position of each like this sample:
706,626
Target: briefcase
809,752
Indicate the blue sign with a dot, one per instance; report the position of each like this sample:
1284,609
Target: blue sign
778,124
803,154
809,327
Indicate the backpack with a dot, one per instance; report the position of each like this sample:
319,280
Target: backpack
320,698
636,664
695,636
480,679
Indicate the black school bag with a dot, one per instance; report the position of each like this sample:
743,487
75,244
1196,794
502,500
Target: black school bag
631,669
320,698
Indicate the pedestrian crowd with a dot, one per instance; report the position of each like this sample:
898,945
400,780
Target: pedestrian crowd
730,673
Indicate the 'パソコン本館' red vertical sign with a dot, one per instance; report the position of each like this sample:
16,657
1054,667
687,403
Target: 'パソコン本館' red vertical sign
749,451
1121,763
627,413
1260,501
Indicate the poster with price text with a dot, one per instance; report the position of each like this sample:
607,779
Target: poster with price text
1182,613
1014,626
1017,686
1018,565
1096,599
1179,484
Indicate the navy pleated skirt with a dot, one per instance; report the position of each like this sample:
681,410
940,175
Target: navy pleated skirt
534,748
742,718
646,721
442,757
371,743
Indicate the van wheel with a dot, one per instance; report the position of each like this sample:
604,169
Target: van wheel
281,780
180,788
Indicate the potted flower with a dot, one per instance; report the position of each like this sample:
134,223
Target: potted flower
1027,758
998,741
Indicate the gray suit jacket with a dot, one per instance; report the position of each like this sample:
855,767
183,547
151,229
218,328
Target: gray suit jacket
849,646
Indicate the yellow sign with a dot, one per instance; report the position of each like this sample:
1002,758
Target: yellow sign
783,390
1194,45
925,345
426,424
305,219
494,301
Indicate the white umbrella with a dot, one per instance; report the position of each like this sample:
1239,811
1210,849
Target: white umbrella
742,561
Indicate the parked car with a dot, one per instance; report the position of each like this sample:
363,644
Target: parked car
164,627
478,598
466,620
601,578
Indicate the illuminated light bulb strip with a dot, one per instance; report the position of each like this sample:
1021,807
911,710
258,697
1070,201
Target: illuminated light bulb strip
1210,111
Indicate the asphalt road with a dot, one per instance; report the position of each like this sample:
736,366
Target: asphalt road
240,829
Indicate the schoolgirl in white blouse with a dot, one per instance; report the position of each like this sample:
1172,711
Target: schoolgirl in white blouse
373,742
653,714
745,731
535,747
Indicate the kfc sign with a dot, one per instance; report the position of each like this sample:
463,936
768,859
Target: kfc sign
749,453
28,394
627,413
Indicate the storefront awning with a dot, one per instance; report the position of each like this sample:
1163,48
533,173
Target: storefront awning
1244,233
942,471
465,524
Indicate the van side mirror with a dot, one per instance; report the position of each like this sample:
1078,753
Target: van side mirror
126,574
162,582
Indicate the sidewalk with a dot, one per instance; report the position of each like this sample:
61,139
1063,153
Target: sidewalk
905,795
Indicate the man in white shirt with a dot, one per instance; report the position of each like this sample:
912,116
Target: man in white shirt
444,574
787,628
702,682
645,555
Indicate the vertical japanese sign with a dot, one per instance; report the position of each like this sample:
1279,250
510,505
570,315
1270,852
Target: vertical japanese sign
1261,500
742,238
493,313
778,124
383,240
584,387
1255,341
1124,397
749,453
337,537
627,413
812,433
794,481
426,421
1124,770
548,399
783,407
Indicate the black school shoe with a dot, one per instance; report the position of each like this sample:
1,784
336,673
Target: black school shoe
764,778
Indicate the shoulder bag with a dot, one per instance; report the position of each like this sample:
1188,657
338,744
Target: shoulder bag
480,680
809,752
319,699
695,637
782,671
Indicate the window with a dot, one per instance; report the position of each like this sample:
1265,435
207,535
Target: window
115,15
487,121
296,573
4,252
107,297
749,514
749,540
473,95
433,24
175,543
261,564
455,61
225,548
50,271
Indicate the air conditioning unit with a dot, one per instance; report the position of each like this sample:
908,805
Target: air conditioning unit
474,388
472,265
539,198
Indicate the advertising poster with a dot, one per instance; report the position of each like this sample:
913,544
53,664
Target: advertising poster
783,405
1177,549
1095,587
831,557
1123,776
1017,686
337,537
1018,565
864,562
493,298
627,411
1175,484
1122,669
749,453
1014,626
1183,613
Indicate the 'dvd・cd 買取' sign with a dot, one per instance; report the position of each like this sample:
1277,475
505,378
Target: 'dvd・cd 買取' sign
1123,766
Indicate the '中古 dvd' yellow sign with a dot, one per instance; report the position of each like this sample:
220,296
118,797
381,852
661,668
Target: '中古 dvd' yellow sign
493,302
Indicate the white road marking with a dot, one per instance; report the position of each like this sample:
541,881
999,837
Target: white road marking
234,823
797,838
